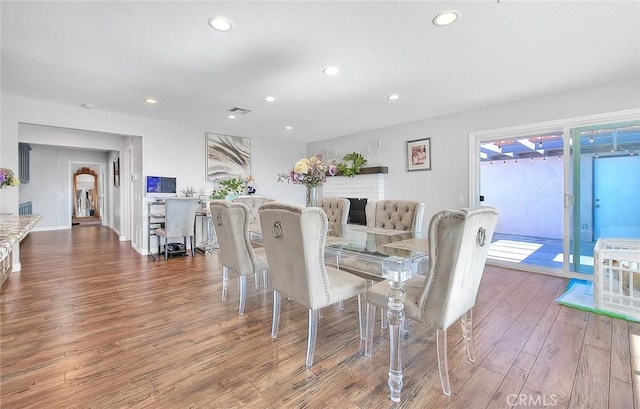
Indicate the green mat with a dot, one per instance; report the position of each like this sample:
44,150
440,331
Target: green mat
579,294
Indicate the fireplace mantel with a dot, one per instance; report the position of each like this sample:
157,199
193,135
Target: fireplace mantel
370,171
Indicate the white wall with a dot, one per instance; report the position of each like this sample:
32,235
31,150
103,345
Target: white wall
114,200
439,188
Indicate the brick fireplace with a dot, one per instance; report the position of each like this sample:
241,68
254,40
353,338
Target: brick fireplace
369,184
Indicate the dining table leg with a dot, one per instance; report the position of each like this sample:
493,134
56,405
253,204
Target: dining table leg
395,318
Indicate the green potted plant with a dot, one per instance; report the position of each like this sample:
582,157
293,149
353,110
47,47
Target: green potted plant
228,187
352,163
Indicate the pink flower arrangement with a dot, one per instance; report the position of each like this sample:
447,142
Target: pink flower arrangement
8,178
309,172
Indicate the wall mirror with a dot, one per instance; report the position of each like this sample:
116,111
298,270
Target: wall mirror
85,189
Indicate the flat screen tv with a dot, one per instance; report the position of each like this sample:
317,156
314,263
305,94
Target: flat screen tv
160,186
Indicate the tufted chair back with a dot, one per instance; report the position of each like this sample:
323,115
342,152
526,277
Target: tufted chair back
336,208
253,203
294,240
395,215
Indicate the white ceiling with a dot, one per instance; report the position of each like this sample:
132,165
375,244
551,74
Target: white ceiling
114,54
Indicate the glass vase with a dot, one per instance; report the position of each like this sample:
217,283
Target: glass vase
312,196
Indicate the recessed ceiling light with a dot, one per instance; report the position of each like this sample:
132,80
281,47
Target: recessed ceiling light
231,116
270,99
446,17
220,23
288,128
88,105
331,70
393,97
151,101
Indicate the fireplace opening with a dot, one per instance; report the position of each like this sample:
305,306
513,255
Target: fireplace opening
357,213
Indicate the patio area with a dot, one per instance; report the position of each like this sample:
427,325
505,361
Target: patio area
538,251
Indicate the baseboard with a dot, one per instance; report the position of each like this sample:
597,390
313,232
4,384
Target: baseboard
51,228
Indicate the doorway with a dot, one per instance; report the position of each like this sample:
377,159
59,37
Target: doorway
522,176
616,210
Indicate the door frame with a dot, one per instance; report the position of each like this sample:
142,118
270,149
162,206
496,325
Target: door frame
476,138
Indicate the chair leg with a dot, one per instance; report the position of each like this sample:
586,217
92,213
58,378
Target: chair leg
405,327
256,279
276,314
467,334
166,248
443,364
383,318
184,241
311,340
341,305
265,278
361,319
242,280
225,281
371,320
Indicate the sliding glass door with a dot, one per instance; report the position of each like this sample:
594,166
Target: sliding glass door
559,187
604,181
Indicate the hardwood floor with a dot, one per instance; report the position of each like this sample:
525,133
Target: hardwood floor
85,221
89,323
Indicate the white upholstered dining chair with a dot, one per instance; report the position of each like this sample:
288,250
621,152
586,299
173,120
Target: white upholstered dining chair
180,218
336,208
395,215
458,246
231,223
294,239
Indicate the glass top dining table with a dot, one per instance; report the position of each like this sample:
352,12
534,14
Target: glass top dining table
368,245
377,254
365,251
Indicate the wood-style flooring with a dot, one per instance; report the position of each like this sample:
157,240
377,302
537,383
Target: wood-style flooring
85,221
90,323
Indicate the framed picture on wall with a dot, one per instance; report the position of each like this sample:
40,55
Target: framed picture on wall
116,172
419,154
227,157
